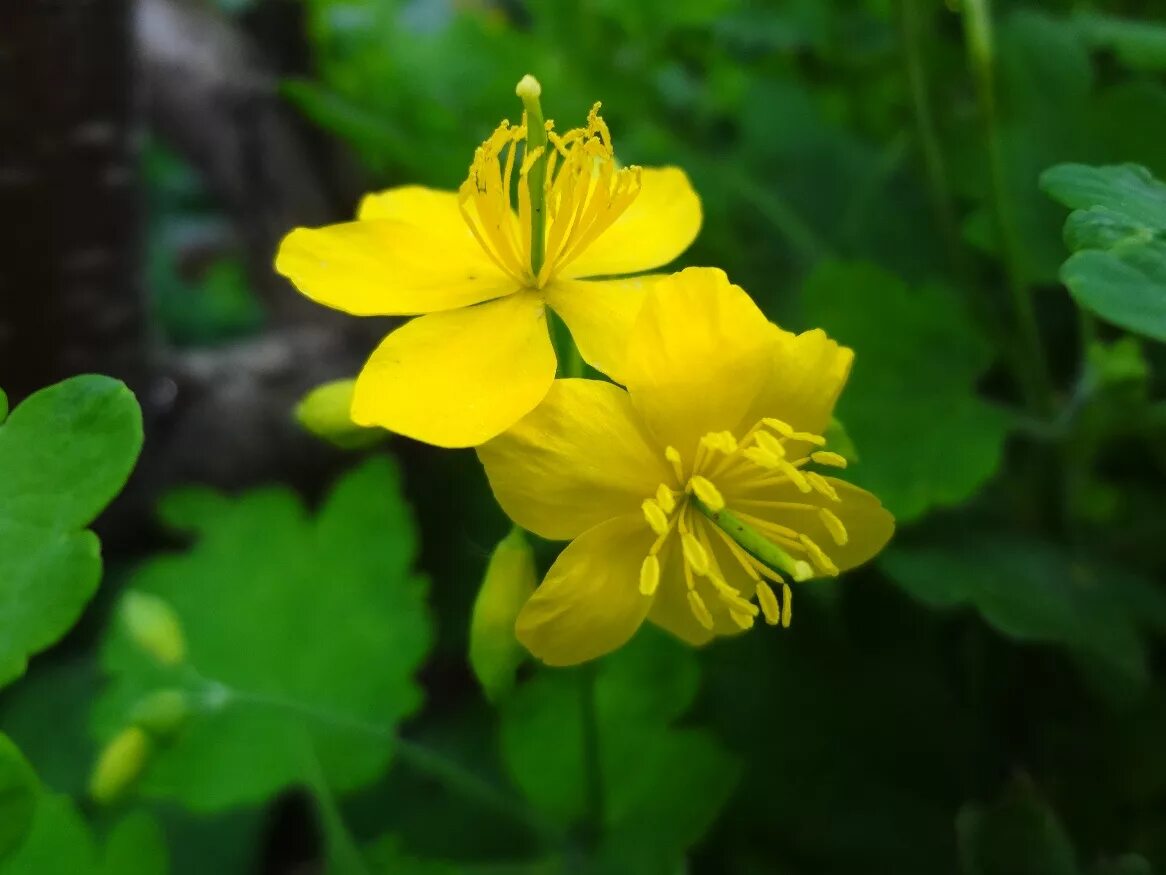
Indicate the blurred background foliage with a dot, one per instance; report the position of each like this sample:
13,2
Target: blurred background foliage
989,698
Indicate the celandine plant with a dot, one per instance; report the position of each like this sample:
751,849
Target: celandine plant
687,495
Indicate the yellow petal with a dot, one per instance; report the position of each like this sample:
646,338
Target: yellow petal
660,224
808,373
578,459
385,267
417,205
868,524
698,358
459,378
590,602
600,314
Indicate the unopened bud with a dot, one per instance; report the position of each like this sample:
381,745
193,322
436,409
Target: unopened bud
495,653
162,713
326,412
119,765
154,627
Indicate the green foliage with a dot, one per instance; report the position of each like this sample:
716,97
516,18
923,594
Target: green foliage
1019,835
1117,233
61,843
65,452
285,615
1033,592
661,786
17,797
915,458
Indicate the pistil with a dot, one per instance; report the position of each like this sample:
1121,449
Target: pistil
529,91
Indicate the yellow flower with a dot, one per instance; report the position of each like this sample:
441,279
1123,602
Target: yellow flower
721,420
481,357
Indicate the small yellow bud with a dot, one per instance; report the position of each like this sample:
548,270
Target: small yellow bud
326,413
495,653
162,713
119,765
154,627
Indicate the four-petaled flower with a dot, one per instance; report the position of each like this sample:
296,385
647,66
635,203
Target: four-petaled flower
722,419
481,357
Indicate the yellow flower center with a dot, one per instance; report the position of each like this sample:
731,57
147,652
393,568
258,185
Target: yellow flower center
584,193
771,453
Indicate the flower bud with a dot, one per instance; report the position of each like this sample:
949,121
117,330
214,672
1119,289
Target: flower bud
119,765
326,413
495,653
154,627
162,713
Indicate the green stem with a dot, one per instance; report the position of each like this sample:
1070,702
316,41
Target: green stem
912,29
1030,362
753,542
343,852
592,766
536,137
454,776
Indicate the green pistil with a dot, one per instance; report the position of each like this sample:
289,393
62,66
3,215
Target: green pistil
536,136
754,543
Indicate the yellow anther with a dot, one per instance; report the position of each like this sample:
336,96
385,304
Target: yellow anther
745,621
787,431
761,456
769,442
787,603
700,609
834,526
665,499
708,493
819,558
732,598
825,457
768,603
649,575
655,516
796,477
720,440
673,456
695,554
821,485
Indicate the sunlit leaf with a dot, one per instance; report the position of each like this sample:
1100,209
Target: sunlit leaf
924,437
308,631
1118,236
65,452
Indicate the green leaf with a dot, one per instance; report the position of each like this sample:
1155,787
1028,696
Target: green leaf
1118,236
1127,864
65,452
18,792
307,629
1033,591
1140,44
662,786
1018,835
61,843
923,436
